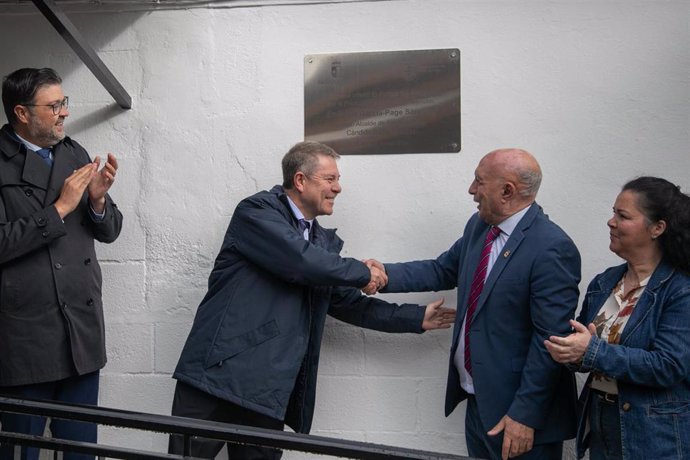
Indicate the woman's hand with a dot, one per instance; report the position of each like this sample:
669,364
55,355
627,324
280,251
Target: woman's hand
571,349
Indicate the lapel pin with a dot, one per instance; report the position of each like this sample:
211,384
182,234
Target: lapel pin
506,254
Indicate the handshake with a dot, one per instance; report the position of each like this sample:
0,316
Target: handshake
436,316
378,277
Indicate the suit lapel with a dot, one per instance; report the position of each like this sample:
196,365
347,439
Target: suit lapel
599,295
64,163
24,168
506,254
473,255
467,267
35,171
646,301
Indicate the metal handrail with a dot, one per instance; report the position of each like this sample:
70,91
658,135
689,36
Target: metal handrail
99,450
189,428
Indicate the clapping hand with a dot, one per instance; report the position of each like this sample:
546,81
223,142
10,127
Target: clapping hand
73,189
101,182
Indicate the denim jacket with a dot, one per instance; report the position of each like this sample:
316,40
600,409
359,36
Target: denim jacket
651,365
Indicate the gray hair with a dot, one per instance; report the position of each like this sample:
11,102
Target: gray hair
530,179
303,157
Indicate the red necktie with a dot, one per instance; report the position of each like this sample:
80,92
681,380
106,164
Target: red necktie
476,290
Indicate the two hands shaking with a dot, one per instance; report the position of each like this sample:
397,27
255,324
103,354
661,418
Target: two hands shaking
378,277
435,316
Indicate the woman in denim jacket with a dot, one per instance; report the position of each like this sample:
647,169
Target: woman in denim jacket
636,347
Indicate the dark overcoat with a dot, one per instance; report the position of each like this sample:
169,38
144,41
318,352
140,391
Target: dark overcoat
257,334
51,313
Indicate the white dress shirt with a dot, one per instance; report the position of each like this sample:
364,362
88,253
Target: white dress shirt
506,227
298,214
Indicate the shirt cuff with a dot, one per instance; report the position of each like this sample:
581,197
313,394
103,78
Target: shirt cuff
96,216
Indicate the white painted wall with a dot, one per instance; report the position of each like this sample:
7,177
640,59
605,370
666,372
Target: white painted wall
599,91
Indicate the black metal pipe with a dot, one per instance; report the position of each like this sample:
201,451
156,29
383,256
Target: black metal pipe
219,431
86,53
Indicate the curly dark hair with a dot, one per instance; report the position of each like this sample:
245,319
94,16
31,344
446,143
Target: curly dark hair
659,199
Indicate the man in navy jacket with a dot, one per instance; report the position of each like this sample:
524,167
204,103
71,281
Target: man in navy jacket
520,403
252,355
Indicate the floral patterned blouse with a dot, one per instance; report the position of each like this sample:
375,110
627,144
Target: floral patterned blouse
611,321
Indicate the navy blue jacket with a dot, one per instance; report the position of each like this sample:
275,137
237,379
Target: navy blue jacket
651,364
530,294
257,333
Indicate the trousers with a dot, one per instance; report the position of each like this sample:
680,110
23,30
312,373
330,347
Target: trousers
192,403
481,445
82,389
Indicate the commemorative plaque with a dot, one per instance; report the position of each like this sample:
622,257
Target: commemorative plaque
384,102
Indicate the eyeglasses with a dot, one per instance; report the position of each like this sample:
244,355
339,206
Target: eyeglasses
57,107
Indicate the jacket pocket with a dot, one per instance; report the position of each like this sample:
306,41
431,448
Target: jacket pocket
23,296
667,424
670,408
225,348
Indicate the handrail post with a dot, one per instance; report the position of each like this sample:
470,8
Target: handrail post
187,446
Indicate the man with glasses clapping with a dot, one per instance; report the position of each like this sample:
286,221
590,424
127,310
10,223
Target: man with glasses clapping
53,205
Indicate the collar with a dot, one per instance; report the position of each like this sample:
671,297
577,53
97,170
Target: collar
508,225
28,144
296,212
10,145
607,280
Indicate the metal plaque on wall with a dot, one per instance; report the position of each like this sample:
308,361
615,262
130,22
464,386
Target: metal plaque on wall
384,102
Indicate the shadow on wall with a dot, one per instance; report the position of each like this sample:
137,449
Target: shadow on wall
44,47
94,118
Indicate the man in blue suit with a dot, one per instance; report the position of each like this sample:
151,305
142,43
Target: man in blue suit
514,291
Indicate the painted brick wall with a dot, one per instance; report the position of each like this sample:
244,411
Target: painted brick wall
598,91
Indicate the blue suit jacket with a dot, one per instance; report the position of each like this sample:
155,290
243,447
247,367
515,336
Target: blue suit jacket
530,294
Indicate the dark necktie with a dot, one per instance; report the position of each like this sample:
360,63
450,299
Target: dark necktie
476,290
45,154
304,225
